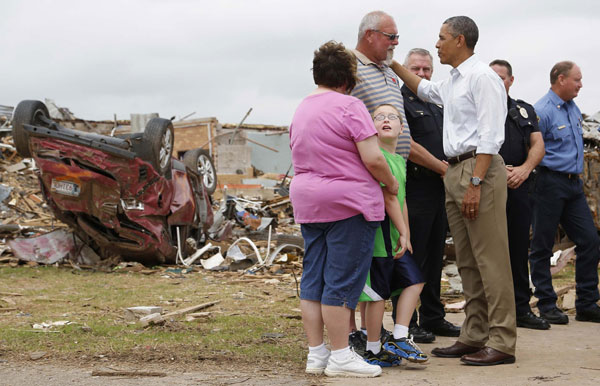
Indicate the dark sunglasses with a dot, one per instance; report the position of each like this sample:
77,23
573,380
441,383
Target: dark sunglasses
392,37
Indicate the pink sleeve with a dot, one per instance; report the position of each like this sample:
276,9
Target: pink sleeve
358,122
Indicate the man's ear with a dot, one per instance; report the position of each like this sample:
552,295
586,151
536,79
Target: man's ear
460,41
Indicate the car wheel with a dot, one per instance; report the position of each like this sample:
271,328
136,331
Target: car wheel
158,144
201,161
26,113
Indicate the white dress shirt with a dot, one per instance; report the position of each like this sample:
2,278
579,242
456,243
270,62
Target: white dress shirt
474,100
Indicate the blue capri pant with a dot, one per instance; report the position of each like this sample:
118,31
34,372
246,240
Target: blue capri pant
337,258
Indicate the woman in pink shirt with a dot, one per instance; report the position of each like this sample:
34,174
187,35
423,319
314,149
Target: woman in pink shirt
337,199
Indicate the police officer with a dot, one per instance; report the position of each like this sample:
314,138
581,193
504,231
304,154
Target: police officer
559,198
425,201
522,150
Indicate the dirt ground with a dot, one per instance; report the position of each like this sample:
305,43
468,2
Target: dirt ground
564,355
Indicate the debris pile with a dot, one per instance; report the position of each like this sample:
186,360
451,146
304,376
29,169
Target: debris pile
249,234
23,211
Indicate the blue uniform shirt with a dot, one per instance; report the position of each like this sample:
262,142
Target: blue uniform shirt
560,124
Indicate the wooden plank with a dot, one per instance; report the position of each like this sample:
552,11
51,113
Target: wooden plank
121,373
191,309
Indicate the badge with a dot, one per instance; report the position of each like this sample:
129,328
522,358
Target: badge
523,112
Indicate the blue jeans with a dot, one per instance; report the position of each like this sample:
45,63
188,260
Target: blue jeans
337,258
558,199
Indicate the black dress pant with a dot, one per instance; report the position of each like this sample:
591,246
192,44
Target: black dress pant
518,220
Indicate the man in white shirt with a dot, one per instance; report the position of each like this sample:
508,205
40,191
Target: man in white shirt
474,100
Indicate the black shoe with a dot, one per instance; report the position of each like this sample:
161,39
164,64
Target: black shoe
358,341
443,328
555,316
385,335
591,314
531,320
420,335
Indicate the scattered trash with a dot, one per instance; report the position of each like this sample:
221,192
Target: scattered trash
135,313
568,300
455,307
272,336
45,249
121,373
49,325
191,309
451,276
560,259
34,356
212,262
152,319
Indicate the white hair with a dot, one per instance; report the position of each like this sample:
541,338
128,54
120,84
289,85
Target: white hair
418,51
370,21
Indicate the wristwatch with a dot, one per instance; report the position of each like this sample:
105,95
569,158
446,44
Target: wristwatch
476,181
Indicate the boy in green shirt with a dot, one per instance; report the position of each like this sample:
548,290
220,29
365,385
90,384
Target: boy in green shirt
393,270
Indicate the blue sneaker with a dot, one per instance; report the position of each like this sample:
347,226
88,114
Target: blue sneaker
407,349
382,359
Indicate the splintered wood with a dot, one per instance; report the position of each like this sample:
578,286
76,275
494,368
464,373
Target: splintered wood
22,207
591,185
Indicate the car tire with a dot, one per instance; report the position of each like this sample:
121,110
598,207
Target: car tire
201,161
158,145
27,112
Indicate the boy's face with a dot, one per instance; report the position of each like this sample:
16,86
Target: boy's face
385,125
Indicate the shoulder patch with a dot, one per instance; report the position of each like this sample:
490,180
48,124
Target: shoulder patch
523,112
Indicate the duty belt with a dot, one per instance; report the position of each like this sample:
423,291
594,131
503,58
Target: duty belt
571,176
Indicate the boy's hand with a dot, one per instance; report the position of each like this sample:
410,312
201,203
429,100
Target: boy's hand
404,245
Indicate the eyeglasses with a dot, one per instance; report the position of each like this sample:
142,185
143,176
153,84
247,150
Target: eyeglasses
381,117
392,37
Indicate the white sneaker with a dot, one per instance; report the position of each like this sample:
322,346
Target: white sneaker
315,363
352,366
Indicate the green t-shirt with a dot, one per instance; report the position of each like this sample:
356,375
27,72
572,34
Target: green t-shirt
398,168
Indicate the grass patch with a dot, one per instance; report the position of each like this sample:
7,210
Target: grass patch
94,302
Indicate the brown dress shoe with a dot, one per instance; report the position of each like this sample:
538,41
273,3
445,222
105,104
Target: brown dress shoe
457,350
487,356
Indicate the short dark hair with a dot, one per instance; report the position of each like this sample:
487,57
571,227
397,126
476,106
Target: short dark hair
464,25
503,63
560,68
334,66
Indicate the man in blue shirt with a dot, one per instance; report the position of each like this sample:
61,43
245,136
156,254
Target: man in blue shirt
559,199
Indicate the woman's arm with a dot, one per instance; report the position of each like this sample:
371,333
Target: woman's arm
375,163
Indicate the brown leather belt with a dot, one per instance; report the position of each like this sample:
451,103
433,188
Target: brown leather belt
462,157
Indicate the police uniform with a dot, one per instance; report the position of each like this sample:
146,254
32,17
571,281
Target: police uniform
425,201
521,121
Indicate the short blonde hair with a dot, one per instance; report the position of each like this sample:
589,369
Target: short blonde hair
389,105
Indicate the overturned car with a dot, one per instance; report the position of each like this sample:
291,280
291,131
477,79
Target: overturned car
123,195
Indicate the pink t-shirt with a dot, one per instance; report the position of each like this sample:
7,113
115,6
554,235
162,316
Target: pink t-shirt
330,181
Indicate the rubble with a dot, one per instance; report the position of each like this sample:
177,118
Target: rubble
591,164
135,313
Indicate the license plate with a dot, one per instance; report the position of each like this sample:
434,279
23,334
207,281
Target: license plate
67,188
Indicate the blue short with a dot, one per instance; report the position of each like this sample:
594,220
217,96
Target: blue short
337,258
